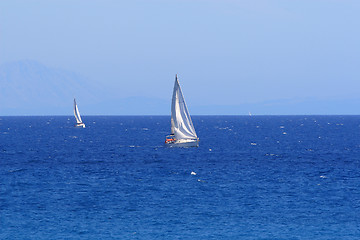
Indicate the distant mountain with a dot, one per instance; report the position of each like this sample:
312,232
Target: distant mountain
130,106
153,106
31,88
312,106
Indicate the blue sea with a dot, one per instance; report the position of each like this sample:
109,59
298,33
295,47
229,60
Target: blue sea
258,177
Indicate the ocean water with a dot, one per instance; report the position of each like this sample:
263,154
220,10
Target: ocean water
259,177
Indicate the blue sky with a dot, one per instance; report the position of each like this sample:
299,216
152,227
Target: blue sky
226,52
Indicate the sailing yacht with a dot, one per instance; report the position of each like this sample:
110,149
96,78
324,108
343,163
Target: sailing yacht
79,122
182,129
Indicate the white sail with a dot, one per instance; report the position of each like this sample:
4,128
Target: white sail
77,113
181,124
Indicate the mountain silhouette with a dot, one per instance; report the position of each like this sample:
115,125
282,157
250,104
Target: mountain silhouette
31,88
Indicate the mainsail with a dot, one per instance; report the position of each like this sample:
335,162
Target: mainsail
77,113
181,124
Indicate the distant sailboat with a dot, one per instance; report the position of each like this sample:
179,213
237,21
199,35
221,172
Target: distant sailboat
79,122
182,129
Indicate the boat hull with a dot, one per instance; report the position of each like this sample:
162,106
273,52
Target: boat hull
183,143
80,125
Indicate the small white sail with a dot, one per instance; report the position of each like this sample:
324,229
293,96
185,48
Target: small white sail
77,113
181,124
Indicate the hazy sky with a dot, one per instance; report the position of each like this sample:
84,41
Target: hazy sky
226,52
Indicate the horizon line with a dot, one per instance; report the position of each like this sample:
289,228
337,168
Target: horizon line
162,115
